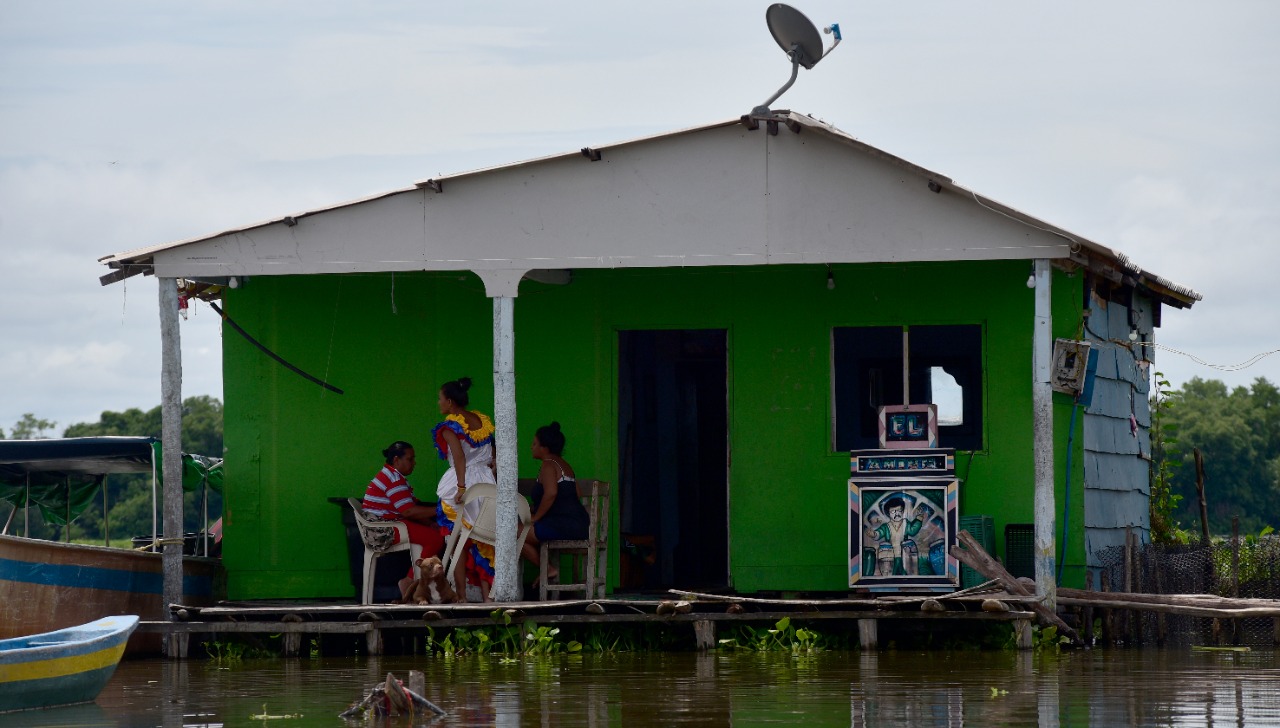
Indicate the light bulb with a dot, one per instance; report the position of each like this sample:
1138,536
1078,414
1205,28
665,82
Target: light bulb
1133,336
1031,281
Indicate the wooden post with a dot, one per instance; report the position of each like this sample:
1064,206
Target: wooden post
1106,611
1087,618
291,641
1161,627
1204,508
177,645
1126,631
867,634
1022,628
704,633
1042,435
1139,585
373,641
171,442
1235,574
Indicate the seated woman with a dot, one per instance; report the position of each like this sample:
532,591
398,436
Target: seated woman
464,439
558,514
390,496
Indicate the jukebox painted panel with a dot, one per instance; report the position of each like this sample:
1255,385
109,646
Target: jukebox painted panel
901,531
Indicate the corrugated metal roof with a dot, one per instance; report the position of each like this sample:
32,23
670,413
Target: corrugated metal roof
1085,252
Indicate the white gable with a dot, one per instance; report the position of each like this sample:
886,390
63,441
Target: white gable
719,195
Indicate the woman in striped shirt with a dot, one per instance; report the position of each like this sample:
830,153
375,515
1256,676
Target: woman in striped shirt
390,496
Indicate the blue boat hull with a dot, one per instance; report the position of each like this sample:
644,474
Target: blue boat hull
64,667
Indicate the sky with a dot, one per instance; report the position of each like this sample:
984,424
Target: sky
1149,127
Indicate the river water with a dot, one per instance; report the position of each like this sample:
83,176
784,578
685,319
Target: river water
890,688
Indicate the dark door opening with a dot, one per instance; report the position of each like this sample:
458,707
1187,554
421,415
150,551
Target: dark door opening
673,458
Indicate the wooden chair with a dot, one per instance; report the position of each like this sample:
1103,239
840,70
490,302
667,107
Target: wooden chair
376,534
594,495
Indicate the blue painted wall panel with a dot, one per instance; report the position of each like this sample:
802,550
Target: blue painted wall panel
1116,492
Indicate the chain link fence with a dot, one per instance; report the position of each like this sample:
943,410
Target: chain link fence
1247,568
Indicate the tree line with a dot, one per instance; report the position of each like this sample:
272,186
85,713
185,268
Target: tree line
128,495
1237,432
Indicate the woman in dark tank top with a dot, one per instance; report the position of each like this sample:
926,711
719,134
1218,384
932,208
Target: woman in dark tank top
557,512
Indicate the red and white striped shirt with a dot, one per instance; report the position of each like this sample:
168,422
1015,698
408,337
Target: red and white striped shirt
388,494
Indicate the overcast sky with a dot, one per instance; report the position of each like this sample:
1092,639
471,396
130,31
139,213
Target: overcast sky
1150,127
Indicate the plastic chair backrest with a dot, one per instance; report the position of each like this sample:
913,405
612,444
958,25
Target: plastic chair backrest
485,527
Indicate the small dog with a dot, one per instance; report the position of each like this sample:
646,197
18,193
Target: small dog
433,587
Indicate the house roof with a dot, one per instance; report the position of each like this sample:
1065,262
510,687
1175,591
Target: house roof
746,191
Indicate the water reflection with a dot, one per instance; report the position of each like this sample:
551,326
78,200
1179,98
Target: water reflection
944,689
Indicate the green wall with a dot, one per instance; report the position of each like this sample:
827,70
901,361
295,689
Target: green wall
389,342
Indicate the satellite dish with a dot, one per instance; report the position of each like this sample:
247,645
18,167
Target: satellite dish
794,33
799,39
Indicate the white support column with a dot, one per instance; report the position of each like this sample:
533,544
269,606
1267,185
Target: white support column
1042,426
171,439
506,579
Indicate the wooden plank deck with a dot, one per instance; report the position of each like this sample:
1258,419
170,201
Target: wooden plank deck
703,611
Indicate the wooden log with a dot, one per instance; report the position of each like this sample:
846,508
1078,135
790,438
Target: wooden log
1244,613
867,637
1195,600
373,641
975,557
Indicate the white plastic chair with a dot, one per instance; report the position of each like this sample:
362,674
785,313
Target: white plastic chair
485,527
370,529
594,495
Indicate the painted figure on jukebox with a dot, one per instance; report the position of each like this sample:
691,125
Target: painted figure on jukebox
897,553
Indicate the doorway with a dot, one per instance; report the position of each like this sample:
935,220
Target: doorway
673,459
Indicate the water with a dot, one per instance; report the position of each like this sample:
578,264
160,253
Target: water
892,688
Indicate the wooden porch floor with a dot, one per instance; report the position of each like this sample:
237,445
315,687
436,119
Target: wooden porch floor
703,612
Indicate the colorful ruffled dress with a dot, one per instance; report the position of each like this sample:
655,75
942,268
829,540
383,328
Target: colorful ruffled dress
477,447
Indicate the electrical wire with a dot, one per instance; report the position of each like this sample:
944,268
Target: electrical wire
1220,367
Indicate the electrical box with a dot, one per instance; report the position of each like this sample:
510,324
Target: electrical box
1070,366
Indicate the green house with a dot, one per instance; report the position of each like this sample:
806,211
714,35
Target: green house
713,315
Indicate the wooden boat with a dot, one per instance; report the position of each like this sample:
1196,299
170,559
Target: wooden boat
64,667
46,585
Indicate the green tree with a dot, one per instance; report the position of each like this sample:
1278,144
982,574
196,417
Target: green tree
31,427
1238,432
129,495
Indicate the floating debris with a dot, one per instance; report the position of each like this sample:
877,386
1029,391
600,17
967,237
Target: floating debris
391,698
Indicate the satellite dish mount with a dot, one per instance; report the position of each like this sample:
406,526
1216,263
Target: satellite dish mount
800,40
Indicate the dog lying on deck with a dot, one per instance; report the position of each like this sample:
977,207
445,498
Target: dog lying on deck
433,587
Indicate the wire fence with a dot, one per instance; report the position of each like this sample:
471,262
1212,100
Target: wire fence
1248,567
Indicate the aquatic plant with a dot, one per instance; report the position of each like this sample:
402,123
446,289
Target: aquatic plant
232,652
503,637
783,637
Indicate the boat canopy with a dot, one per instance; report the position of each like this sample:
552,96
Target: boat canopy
62,476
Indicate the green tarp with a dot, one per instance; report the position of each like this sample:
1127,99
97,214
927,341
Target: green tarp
53,472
